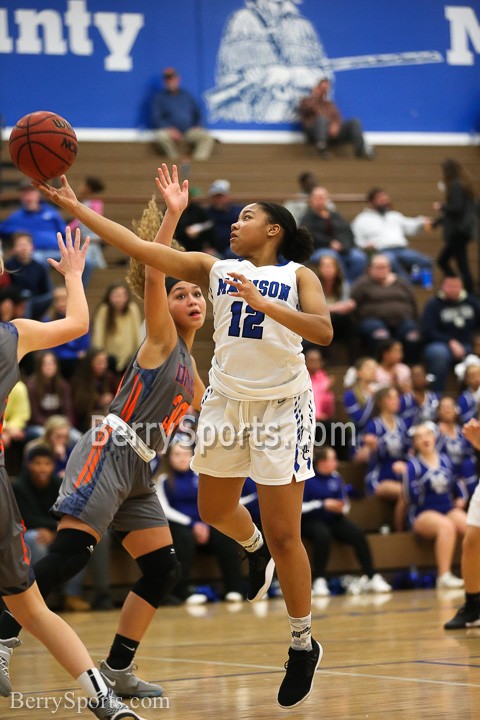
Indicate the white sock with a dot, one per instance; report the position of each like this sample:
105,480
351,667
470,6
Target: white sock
301,629
253,543
92,683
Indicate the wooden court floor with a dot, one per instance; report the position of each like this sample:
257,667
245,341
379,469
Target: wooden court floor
385,657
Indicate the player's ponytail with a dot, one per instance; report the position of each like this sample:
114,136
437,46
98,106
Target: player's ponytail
297,242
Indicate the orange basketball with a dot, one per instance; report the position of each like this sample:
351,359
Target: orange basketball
43,145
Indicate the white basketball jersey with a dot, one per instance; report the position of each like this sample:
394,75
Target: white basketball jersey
255,356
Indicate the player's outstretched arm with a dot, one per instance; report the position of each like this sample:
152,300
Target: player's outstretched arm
192,267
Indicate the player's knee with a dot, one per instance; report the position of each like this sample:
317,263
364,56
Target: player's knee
67,555
160,573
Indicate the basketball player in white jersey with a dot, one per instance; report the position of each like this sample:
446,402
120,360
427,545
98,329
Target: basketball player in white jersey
257,415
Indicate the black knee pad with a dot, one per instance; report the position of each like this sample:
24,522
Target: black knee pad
67,555
160,573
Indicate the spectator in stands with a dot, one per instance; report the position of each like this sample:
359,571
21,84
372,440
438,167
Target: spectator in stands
379,228
391,371
176,115
56,437
40,220
195,230
69,353
298,205
177,490
418,404
458,219
323,124
323,396
324,517
468,401
13,303
386,308
386,438
436,501
29,275
49,394
451,441
337,295
15,419
358,400
449,321
116,326
223,213
88,193
35,491
94,387
332,235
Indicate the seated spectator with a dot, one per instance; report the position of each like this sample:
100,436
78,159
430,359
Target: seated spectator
323,396
13,303
195,229
451,441
94,387
57,436
40,220
35,492
116,326
391,371
15,420
29,275
449,321
324,517
472,359
436,502
69,353
337,295
49,394
386,308
418,404
298,204
359,403
323,125
177,490
378,228
468,401
88,194
223,213
386,437
176,115
332,235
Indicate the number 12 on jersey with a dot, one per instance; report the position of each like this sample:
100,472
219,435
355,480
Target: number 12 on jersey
252,321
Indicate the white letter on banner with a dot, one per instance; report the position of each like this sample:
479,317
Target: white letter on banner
29,42
463,25
119,33
6,42
78,20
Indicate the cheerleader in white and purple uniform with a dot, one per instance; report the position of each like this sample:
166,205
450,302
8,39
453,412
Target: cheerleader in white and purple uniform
436,501
451,441
419,404
386,436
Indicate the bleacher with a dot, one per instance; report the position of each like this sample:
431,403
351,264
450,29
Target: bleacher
409,174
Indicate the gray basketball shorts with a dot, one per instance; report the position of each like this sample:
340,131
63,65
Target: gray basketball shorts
16,573
107,484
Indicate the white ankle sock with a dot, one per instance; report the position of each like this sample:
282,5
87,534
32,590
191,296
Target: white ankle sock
92,683
253,543
301,629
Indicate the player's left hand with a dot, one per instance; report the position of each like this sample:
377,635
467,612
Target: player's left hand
246,290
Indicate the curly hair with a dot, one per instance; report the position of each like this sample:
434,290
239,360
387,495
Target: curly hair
146,228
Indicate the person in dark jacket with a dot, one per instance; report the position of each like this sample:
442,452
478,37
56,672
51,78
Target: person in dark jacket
332,234
457,219
29,275
448,323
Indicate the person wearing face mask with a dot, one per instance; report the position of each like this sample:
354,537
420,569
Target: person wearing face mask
379,228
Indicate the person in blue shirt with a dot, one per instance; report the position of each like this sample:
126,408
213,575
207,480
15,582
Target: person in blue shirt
418,404
358,400
324,518
451,441
68,354
177,490
468,401
176,115
436,501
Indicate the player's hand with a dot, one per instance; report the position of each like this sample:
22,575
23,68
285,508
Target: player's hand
72,255
246,290
175,196
64,196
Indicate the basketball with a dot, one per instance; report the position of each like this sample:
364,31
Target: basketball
43,145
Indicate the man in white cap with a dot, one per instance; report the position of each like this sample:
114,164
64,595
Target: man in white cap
223,212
